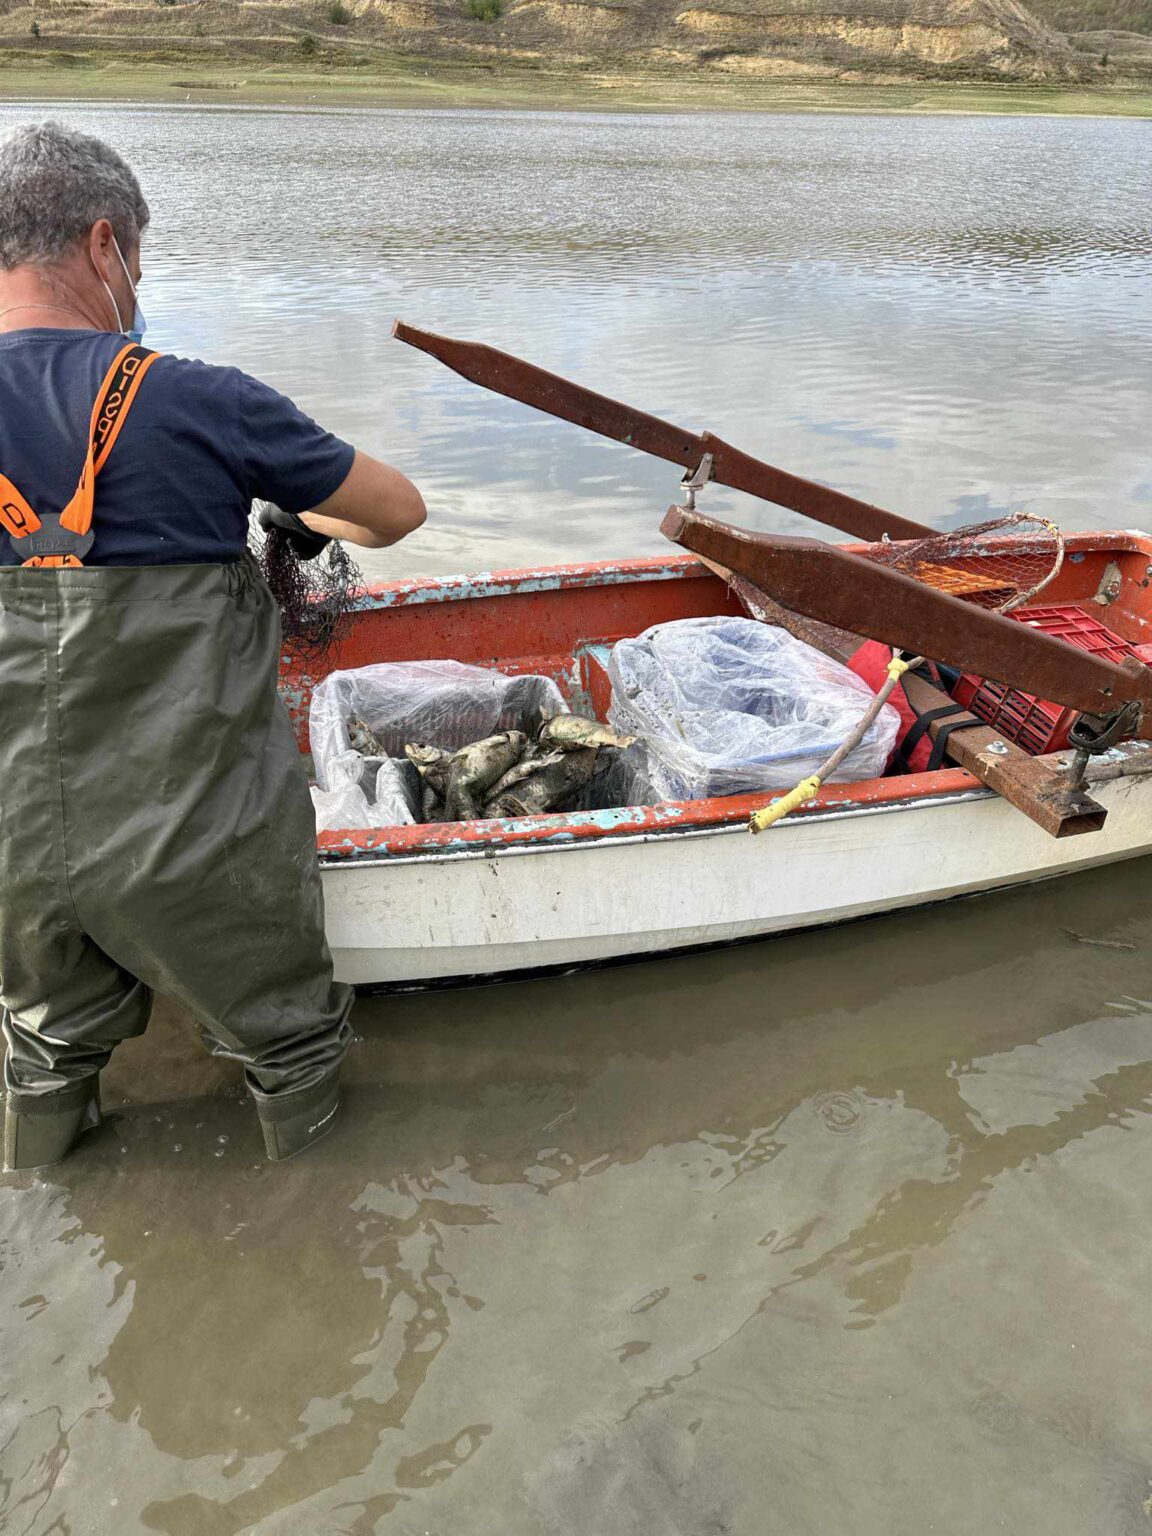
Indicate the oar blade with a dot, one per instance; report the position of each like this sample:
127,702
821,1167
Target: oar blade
513,377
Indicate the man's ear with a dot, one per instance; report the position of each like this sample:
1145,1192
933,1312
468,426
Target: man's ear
102,249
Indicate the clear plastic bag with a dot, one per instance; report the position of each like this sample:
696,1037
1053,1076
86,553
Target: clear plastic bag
344,802
728,706
441,703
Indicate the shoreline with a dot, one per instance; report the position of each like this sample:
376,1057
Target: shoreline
406,82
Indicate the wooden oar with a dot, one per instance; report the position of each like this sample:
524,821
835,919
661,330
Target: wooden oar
518,380
817,579
844,590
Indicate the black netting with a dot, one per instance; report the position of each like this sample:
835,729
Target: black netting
317,598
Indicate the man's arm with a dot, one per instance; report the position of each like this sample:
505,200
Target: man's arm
374,506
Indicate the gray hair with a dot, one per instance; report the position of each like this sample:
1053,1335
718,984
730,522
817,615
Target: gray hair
55,184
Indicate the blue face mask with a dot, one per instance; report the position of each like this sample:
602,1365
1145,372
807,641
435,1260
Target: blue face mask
139,324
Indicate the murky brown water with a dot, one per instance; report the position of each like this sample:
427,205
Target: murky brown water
843,1233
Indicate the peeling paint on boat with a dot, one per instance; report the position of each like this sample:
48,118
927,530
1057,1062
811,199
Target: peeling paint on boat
531,579
623,822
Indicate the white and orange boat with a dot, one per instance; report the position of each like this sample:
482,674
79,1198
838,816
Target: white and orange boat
423,905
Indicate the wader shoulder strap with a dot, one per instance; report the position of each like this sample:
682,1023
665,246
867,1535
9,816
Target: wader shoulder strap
65,538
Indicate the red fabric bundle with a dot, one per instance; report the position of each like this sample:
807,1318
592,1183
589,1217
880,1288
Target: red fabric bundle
870,663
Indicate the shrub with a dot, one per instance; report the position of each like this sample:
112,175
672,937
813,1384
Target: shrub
338,13
307,45
484,10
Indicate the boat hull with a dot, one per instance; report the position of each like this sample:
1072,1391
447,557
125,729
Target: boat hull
478,913
423,905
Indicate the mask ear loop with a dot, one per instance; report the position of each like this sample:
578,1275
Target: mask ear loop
115,307
120,326
139,324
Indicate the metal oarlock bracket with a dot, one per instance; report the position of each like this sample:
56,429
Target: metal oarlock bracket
696,481
1093,734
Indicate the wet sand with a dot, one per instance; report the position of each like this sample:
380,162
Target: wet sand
844,1232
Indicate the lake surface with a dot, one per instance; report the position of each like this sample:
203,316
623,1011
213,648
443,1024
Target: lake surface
948,317
847,1233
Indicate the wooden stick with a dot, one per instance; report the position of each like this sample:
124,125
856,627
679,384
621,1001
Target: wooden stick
768,815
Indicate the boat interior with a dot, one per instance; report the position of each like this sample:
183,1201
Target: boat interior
561,622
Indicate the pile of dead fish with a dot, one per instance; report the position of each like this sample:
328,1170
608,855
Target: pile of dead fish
507,774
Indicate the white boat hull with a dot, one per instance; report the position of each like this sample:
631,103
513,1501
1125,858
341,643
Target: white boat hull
480,913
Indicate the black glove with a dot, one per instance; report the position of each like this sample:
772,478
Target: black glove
305,543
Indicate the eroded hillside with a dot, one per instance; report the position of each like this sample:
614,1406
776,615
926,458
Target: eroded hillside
883,40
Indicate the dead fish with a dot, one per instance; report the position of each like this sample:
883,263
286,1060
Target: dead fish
571,732
431,763
548,786
476,768
431,804
534,757
362,738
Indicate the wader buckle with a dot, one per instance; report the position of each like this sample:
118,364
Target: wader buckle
51,541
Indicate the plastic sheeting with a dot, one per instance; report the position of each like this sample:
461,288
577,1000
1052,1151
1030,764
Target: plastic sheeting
728,706
440,703
346,806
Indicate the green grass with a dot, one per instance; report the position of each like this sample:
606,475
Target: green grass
383,79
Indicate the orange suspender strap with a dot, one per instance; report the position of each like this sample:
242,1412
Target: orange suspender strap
113,402
16,516
73,525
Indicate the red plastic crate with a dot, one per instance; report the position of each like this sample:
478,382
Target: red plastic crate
1033,723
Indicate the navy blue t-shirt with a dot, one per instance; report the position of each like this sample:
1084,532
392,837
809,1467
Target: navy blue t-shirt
199,444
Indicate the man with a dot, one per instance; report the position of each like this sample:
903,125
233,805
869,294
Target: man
156,831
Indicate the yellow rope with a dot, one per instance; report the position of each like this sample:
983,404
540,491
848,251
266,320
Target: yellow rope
807,789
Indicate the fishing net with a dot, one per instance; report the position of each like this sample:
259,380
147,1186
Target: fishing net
316,598
999,565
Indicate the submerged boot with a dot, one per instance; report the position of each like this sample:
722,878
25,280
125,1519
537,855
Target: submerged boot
291,1122
40,1129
